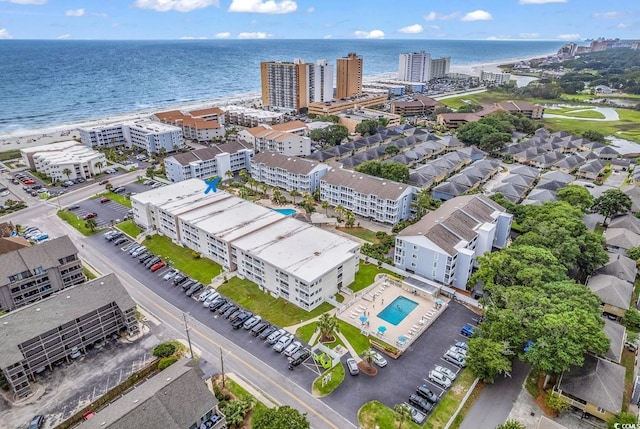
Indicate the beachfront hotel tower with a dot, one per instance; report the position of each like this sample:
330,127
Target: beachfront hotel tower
420,67
348,76
293,85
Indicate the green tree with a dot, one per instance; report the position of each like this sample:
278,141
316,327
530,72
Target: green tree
162,152
229,175
253,184
402,413
391,150
294,193
331,135
328,327
67,173
150,172
108,187
387,170
283,417
594,136
367,127
325,206
611,203
631,318
349,219
469,108
340,211
244,176
624,418
92,224
236,411
164,350
486,359
367,357
511,424
99,166
422,203
265,189
557,402
576,196
634,253
276,196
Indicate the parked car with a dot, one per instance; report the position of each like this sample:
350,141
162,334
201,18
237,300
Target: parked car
378,359
41,237
462,345
155,267
252,322
75,353
104,200
439,379
5,194
197,287
467,330
29,182
139,251
418,417
298,357
240,319
209,298
73,207
447,372
230,310
255,331
275,336
352,365
120,241
170,274
283,343
455,358
267,332
120,190
178,278
458,350
186,285
36,422
103,182
216,304
426,393
204,295
292,348
420,403
144,257
152,262
89,215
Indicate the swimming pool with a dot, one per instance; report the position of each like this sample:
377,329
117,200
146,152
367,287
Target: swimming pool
286,212
395,312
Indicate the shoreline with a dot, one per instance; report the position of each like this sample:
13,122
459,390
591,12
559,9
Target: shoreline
68,131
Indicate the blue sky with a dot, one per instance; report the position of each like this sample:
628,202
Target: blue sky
317,19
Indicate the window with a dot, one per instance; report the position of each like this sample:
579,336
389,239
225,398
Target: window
436,256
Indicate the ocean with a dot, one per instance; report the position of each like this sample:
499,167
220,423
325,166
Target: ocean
52,82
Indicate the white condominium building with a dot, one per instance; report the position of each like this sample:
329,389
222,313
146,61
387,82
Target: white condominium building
209,162
146,134
65,160
440,67
420,67
266,138
285,257
372,197
495,78
287,172
250,117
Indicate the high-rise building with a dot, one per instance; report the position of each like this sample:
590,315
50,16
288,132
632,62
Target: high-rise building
440,67
293,85
348,76
415,67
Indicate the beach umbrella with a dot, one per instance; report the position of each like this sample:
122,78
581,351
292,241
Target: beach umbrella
402,338
382,329
363,318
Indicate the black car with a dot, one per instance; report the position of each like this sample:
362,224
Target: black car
232,309
427,394
235,314
240,319
217,304
224,307
186,285
267,331
146,257
115,236
420,403
119,241
255,331
152,262
298,357
179,278
196,287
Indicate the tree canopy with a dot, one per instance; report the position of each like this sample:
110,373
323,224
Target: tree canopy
576,196
367,127
283,417
611,203
331,135
487,359
387,170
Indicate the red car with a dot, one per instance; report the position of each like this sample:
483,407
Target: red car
89,216
157,266
103,182
29,182
104,200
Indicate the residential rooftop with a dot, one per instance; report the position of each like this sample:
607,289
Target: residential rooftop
292,164
365,184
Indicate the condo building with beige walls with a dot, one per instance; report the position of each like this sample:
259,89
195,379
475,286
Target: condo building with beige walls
267,138
348,76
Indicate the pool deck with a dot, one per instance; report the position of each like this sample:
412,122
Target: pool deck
375,298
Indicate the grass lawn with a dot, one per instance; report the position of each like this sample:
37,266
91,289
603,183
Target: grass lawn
375,414
628,359
201,269
239,392
88,273
337,377
339,297
275,310
362,233
366,275
449,404
118,198
306,332
575,112
76,222
359,342
10,154
626,127
129,227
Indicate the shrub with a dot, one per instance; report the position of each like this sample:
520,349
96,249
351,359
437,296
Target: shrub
164,350
557,403
219,395
166,362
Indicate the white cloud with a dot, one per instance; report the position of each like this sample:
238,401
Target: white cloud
622,25
433,27
328,36
177,5
570,36
311,9
187,38
4,34
411,29
26,1
74,12
609,15
100,14
435,16
501,37
64,36
263,6
477,15
373,34
529,35
541,1
253,35
223,35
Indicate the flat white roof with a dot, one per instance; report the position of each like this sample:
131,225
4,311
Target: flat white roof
296,247
259,113
153,126
174,192
51,147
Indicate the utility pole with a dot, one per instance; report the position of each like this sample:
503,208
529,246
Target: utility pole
222,366
186,328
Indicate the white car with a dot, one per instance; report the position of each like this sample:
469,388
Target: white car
447,372
205,294
378,359
292,348
170,274
75,353
209,299
439,379
458,350
5,194
283,343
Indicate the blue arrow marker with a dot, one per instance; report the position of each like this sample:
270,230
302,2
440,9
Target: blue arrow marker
212,185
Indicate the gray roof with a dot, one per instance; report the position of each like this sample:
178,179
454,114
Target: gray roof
451,188
523,170
519,180
455,220
365,184
35,319
291,164
175,398
43,255
551,185
598,381
558,176
208,153
617,335
542,195
621,238
620,266
611,290
626,221
509,189
595,166
633,192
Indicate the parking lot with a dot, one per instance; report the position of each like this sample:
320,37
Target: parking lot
108,213
393,384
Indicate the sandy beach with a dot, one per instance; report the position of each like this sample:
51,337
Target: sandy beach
63,132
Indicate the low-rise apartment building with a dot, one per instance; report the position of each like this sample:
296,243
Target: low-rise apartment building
368,196
444,244
65,161
201,125
250,117
32,273
40,334
421,105
350,118
359,101
148,135
287,172
209,162
265,138
285,257
495,78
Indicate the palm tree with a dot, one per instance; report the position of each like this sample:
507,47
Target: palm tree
276,196
403,413
162,152
244,176
229,175
294,193
243,193
328,327
253,183
92,224
367,356
350,218
325,206
340,210
150,172
99,166
264,188
67,173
